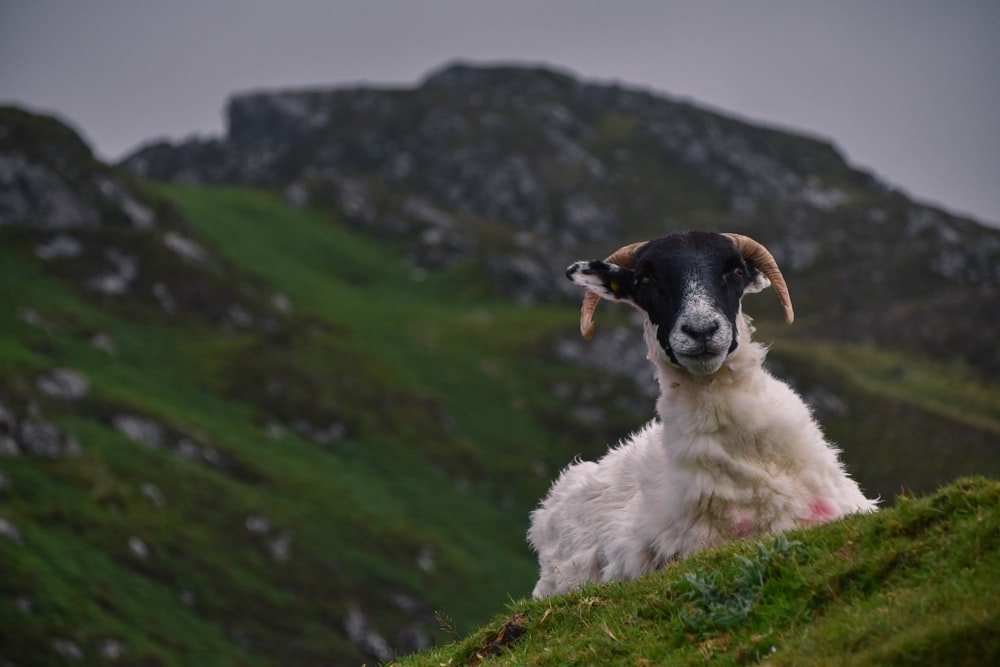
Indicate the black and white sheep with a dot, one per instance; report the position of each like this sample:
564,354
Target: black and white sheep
735,452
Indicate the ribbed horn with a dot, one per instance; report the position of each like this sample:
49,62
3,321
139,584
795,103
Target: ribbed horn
623,257
759,256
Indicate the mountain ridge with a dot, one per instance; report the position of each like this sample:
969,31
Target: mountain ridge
510,173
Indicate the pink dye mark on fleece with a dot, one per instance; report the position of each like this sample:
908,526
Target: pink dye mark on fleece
743,527
821,510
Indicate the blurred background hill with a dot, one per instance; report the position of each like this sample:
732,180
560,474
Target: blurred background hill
287,395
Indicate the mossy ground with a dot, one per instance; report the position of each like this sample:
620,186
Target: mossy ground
916,584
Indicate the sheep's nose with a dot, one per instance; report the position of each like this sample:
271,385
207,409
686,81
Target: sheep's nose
700,331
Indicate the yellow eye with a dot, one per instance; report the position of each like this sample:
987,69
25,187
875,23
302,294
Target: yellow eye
614,286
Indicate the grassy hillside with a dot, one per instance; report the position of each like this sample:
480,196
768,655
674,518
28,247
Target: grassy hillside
918,584
322,484
400,514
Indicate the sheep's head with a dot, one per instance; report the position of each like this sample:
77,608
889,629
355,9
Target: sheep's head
689,285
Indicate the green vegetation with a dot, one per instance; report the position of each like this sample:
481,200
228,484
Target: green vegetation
443,431
950,391
917,584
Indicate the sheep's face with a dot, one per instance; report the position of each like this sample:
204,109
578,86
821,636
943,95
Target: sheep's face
689,286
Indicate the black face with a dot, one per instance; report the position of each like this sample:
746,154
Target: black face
697,276
690,286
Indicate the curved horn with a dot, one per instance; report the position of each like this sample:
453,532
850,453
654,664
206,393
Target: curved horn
623,257
759,256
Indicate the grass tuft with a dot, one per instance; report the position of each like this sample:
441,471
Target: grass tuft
713,604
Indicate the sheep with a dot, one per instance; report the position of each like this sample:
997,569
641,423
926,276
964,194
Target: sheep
735,453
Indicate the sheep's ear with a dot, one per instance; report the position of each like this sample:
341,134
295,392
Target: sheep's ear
756,281
608,281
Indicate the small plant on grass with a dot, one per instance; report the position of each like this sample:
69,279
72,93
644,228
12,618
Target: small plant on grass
713,605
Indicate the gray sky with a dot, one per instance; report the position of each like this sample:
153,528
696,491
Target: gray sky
907,88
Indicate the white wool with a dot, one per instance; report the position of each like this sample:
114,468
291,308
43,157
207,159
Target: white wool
733,455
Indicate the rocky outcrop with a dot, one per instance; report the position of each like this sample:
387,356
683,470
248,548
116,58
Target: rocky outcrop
95,228
515,171
25,431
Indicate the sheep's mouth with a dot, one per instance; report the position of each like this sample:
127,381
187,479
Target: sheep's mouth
701,363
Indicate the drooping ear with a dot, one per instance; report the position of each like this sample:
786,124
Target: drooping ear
756,281
607,280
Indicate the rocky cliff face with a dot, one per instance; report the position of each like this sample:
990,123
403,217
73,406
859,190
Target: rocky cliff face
512,172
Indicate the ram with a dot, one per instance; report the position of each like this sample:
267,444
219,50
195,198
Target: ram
734,453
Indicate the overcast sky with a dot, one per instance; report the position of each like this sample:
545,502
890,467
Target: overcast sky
907,88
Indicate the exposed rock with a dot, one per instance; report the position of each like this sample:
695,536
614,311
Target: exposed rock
138,547
361,634
45,439
280,548
25,604
32,194
153,494
321,435
616,350
238,317
117,280
71,446
257,524
428,214
146,431
8,446
139,215
427,558
297,195
188,449
164,297
33,318
59,247
411,638
104,342
140,429
407,603
67,649
282,303
796,254
586,219
63,383
112,649
9,531
186,248
7,420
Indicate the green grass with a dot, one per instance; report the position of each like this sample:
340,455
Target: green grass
469,354
448,412
913,585
950,391
436,451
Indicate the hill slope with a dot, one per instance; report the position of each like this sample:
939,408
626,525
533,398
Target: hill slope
233,431
918,584
199,469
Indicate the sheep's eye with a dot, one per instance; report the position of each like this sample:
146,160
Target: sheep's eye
735,274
